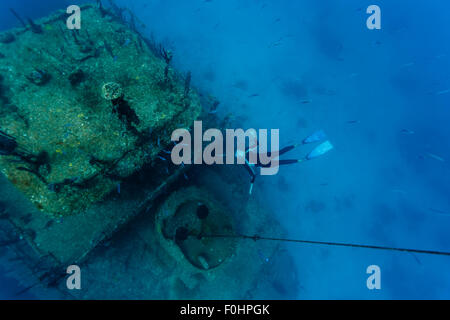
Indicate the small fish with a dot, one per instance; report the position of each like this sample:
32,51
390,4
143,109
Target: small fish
185,176
417,259
159,142
305,101
163,159
435,157
213,112
254,95
118,188
353,121
167,152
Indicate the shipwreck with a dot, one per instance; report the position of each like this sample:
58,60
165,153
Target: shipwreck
85,121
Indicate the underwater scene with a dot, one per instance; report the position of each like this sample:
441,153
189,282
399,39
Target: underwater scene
224,149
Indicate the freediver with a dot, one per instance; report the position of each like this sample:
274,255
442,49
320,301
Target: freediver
321,149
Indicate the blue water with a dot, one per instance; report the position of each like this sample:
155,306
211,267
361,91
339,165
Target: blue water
380,95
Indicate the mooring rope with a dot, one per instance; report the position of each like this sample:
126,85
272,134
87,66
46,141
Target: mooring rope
338,244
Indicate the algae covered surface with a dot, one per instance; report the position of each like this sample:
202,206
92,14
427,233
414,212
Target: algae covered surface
97,102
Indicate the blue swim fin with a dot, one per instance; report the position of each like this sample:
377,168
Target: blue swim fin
321,149
315,137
